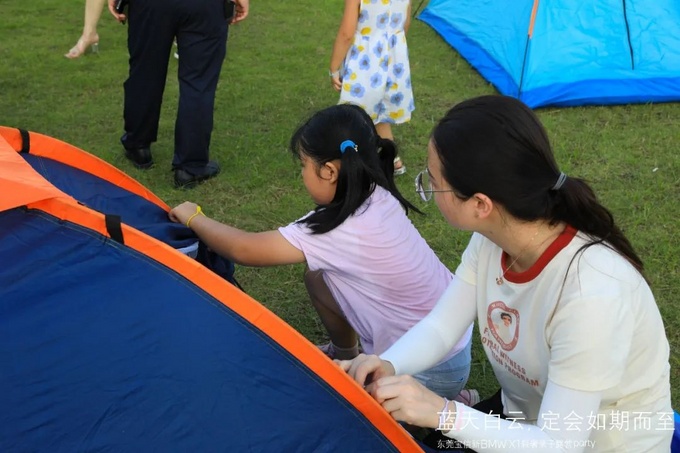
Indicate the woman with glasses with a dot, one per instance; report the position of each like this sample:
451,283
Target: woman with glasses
566,317
370,275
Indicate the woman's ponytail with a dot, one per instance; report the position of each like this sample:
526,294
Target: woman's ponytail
576,204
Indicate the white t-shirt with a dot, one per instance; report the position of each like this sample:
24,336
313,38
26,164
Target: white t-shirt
380,270
597,330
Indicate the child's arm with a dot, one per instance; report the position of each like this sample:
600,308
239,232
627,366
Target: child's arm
268,248
407,24
343,40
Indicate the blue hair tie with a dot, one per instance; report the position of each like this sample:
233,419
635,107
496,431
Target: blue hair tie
348,144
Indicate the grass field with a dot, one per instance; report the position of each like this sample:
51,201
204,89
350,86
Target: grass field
275,75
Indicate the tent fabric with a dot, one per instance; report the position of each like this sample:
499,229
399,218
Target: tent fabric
52,148
89,180
27,186
178,371
567,53
137,347
105,197
675,441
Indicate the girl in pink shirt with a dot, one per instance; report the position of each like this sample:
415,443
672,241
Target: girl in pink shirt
370,275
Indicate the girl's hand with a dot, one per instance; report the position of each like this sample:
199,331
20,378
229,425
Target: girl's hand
336,82
181,213
366,368
407,400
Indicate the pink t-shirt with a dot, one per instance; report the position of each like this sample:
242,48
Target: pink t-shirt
380,270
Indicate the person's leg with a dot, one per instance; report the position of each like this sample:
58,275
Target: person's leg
385,131
201,42
93,11
89,38
449,378
150,35
342,335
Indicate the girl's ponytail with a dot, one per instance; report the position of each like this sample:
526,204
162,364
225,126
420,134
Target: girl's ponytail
387,150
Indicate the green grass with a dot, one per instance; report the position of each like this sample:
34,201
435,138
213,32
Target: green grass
275,75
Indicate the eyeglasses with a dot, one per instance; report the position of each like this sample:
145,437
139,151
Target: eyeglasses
424,186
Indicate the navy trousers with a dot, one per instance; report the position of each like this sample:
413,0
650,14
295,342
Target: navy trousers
201,32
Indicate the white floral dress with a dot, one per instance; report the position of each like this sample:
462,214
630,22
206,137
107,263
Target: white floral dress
376,73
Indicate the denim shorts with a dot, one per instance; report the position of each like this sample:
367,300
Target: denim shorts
448,378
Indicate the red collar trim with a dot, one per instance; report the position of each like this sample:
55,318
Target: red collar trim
553,249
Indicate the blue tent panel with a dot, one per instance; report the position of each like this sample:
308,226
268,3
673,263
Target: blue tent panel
105,349
108,198
675,442
576,53
500,59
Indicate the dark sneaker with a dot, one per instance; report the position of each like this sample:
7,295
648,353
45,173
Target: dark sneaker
187,179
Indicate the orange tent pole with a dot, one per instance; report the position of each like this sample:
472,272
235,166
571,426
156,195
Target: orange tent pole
533,18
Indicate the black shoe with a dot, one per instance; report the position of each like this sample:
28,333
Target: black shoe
187,179
140,157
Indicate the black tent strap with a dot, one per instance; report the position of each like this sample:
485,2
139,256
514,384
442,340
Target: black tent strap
113,227
25,141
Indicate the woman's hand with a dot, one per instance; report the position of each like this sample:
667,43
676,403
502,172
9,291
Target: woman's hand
409,401
406,399
241,12
112,8
365,369
181,213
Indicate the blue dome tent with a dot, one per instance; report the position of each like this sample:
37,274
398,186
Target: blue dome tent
565,52
111,339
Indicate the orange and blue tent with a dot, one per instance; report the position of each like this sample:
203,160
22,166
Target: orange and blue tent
113,340
566,52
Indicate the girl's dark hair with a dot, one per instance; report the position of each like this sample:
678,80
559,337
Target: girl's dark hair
496,145
319,139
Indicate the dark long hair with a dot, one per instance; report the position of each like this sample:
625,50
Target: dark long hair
496,145
319,139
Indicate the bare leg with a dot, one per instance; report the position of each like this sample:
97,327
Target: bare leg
341,333
93,11
385,131
89,38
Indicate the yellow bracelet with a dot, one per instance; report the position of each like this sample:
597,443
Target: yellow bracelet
198,211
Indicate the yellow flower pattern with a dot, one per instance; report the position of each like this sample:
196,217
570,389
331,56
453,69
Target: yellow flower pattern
396,115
